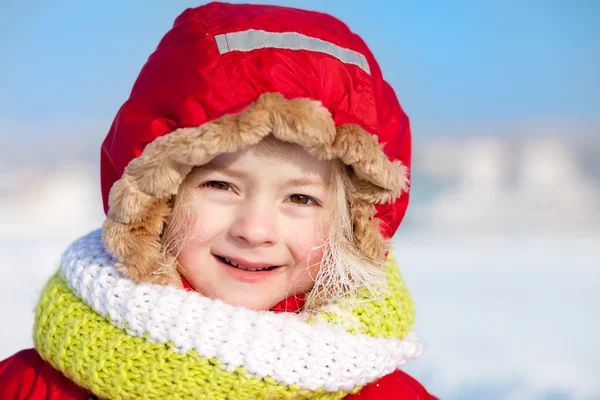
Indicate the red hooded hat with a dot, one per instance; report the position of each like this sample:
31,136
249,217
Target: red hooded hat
224,77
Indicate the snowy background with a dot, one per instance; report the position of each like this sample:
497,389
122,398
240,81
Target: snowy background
502,261
500,246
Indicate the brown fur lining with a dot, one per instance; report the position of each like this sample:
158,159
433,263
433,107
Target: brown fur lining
139,202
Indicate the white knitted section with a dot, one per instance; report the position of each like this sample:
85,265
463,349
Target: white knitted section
281,346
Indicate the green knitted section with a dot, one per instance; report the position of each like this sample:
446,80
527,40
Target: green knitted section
391,316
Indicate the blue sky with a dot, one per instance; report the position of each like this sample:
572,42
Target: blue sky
458,67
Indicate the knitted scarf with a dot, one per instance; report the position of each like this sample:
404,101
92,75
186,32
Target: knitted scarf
123,340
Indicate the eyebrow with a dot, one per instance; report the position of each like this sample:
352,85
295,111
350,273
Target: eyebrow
233,173
303,182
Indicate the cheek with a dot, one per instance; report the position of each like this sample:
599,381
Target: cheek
209,221
308,257
305,238
307,245
204,226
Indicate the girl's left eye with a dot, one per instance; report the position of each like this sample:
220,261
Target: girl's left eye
218,185
303,200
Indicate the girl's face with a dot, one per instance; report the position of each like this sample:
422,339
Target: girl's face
258,221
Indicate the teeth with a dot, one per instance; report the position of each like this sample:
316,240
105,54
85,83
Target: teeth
231,262
228,261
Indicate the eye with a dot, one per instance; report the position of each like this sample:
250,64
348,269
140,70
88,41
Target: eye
303,200
217,185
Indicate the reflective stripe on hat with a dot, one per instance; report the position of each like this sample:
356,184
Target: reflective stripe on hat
253,39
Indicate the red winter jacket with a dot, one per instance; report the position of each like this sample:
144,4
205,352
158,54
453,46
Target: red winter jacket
25,376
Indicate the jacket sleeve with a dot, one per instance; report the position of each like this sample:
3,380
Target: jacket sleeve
395,386
25,376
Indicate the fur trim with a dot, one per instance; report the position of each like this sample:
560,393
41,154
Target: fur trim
366,230
139,202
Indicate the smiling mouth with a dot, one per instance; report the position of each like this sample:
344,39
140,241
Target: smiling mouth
239,266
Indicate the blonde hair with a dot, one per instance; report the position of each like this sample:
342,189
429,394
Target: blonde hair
344,268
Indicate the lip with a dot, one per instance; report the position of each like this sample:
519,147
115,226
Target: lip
246,276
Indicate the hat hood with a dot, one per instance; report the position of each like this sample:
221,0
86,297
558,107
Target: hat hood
226,76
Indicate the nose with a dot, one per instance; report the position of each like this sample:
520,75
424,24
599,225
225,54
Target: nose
256,224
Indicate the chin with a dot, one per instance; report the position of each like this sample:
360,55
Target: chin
248,302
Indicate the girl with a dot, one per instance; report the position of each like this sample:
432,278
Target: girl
251,183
